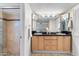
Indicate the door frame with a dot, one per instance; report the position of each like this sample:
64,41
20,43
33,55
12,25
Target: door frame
22,19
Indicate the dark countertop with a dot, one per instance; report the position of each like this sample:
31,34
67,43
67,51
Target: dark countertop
50,35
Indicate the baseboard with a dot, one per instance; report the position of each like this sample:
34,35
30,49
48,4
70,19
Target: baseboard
43,51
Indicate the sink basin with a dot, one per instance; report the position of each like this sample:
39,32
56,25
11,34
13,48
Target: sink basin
60,34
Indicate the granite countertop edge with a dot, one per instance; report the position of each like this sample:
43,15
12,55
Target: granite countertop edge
50,35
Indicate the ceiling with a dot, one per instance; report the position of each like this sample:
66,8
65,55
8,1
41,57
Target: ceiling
47,9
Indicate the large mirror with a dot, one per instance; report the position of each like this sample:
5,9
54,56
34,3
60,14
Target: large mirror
62,23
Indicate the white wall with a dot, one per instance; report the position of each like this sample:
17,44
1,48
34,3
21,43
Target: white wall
11,13
34,25
9,5
53,24
75,34
27,41
22,19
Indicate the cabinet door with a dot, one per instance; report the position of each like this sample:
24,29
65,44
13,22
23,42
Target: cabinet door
51,47
60,43
35,43
67,43
50,37
50,42
41,43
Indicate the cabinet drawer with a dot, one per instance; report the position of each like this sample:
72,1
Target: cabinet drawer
50,42
67,37
47,47
50,37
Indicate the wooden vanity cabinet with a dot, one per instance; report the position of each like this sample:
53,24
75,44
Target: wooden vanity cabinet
64,43
35,43
41,43
60,43
51,43
67,43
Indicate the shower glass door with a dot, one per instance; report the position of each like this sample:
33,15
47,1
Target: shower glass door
12,32
1,33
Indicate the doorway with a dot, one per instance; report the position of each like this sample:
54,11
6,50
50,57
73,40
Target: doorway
11,35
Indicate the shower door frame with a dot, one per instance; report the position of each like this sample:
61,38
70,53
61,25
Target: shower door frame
22,30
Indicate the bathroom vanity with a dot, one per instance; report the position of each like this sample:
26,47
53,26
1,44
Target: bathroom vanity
52,35
53,43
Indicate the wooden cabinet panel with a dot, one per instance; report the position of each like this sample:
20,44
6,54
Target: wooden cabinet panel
50,37
35,43
41,43
67,43
48,47
50,42
60,43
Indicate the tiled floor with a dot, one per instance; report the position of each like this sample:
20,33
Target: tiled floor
45,54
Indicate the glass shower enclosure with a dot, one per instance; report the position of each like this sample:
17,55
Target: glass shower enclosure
10,30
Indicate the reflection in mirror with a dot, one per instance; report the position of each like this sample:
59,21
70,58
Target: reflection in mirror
66,22
44,24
